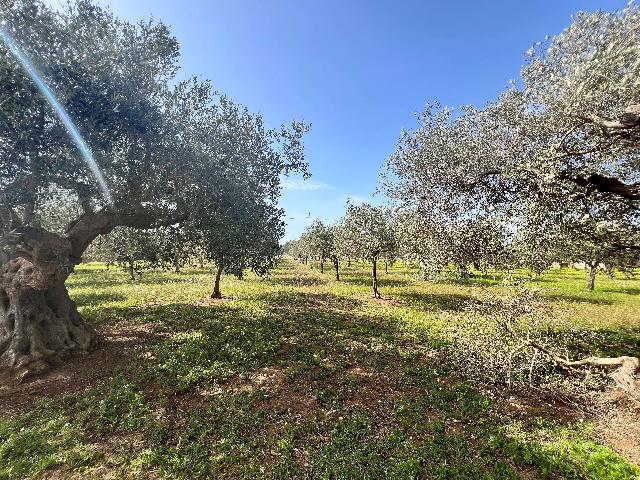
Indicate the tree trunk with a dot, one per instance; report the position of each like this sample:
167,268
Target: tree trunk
176,263
374,274
322,265
132,271
348,262
38,320
591,283
216,285
625,376
609,271
463,271
336,265
386,267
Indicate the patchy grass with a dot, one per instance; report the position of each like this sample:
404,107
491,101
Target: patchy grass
299,376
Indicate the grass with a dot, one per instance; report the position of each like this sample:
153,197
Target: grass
299,376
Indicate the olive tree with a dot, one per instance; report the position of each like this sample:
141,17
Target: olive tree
319,241
434,242
564,146
366,232
567,143
148,134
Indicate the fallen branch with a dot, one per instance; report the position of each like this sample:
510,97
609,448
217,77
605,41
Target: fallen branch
624,376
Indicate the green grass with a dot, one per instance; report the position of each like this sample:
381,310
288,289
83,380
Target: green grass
299,376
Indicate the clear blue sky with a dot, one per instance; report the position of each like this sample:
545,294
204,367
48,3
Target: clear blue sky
357,70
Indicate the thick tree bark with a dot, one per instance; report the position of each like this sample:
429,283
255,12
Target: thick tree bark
593,267
374,275
38,320
216,284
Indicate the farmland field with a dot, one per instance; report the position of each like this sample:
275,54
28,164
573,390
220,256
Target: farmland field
300,376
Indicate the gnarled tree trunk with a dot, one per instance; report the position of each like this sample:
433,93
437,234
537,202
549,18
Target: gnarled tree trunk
38,320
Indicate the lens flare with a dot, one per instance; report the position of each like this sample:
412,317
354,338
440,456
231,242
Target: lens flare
71,128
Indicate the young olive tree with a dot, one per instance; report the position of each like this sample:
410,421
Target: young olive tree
366,232
241,238
319,240
236,216
334,252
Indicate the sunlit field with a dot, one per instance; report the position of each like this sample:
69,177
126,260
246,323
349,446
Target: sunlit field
300,376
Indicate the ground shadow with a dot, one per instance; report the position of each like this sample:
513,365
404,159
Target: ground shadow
578,298
383,281
437,301
96,298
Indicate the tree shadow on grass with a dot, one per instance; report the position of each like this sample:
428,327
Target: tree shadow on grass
207,345
618,342
383,281
313,341
96,298
623,290
431,301
81,279
572,298
301,281
358,387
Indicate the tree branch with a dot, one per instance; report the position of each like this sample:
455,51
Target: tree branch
89,225
624,376
604,184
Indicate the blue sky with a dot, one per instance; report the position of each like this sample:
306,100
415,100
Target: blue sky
357,70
